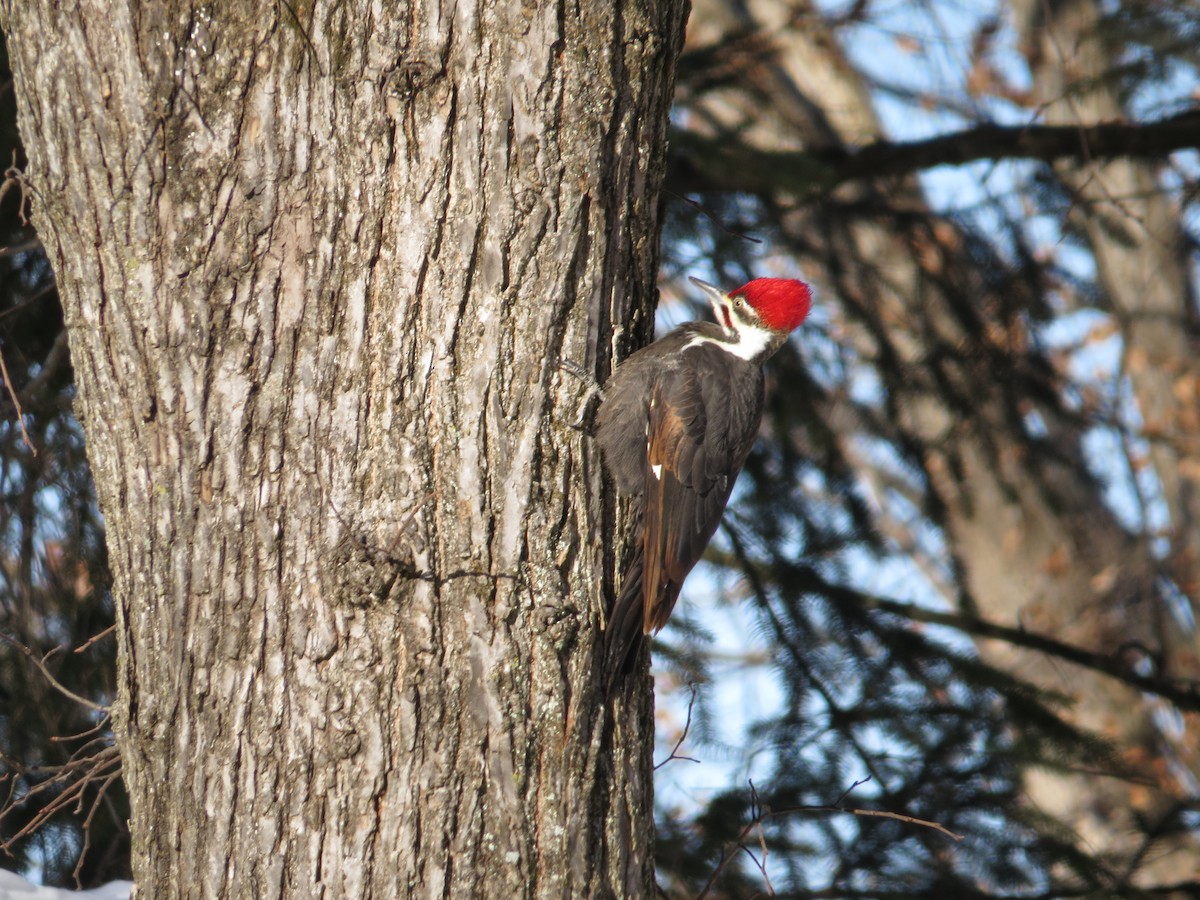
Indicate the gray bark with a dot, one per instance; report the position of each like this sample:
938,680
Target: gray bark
319,265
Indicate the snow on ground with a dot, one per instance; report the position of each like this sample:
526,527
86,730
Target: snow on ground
14,887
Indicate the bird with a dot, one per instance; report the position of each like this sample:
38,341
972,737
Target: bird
677,420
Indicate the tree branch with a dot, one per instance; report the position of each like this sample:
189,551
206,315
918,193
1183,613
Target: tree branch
718,164
1184,694
54,682
761,814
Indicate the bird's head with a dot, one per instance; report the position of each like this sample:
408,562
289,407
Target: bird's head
773,304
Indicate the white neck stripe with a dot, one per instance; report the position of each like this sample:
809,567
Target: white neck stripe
750,343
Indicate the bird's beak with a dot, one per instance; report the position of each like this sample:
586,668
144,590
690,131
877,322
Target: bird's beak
717,298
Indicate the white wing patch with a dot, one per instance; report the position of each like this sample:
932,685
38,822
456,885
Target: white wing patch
656,469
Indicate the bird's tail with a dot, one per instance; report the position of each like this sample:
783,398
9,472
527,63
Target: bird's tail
623,635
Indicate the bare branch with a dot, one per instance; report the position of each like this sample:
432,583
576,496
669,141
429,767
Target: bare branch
54,682
687,726
87,826
702,164
12,393
96,637
14,178
71,780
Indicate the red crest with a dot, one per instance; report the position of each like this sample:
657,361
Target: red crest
782,303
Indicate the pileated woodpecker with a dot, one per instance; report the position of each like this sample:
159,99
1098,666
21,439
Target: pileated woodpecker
678,420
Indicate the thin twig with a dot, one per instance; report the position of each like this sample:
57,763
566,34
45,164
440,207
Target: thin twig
878,814
762,842
95,729
761,814
704,212
74,776
687,726
54,682
87,826
13,176
12,393
96,637
846,792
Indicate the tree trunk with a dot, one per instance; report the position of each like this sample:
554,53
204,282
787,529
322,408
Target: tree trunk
320,267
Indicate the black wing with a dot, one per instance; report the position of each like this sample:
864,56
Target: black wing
692,464
700,426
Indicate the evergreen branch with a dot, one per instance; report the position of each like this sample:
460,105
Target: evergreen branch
1184,694
762,814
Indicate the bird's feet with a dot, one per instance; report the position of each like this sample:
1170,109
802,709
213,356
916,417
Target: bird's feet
583,421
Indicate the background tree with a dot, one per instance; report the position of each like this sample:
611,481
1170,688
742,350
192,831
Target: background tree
53,578
967,541
319,270
943,421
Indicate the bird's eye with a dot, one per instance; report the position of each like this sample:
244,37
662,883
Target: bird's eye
739,302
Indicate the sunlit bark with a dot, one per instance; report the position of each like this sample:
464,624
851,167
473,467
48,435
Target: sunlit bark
320,263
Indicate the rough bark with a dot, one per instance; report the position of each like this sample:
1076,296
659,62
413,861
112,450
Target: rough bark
1025,523
320,262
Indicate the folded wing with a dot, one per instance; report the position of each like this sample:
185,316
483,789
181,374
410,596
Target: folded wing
689,477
